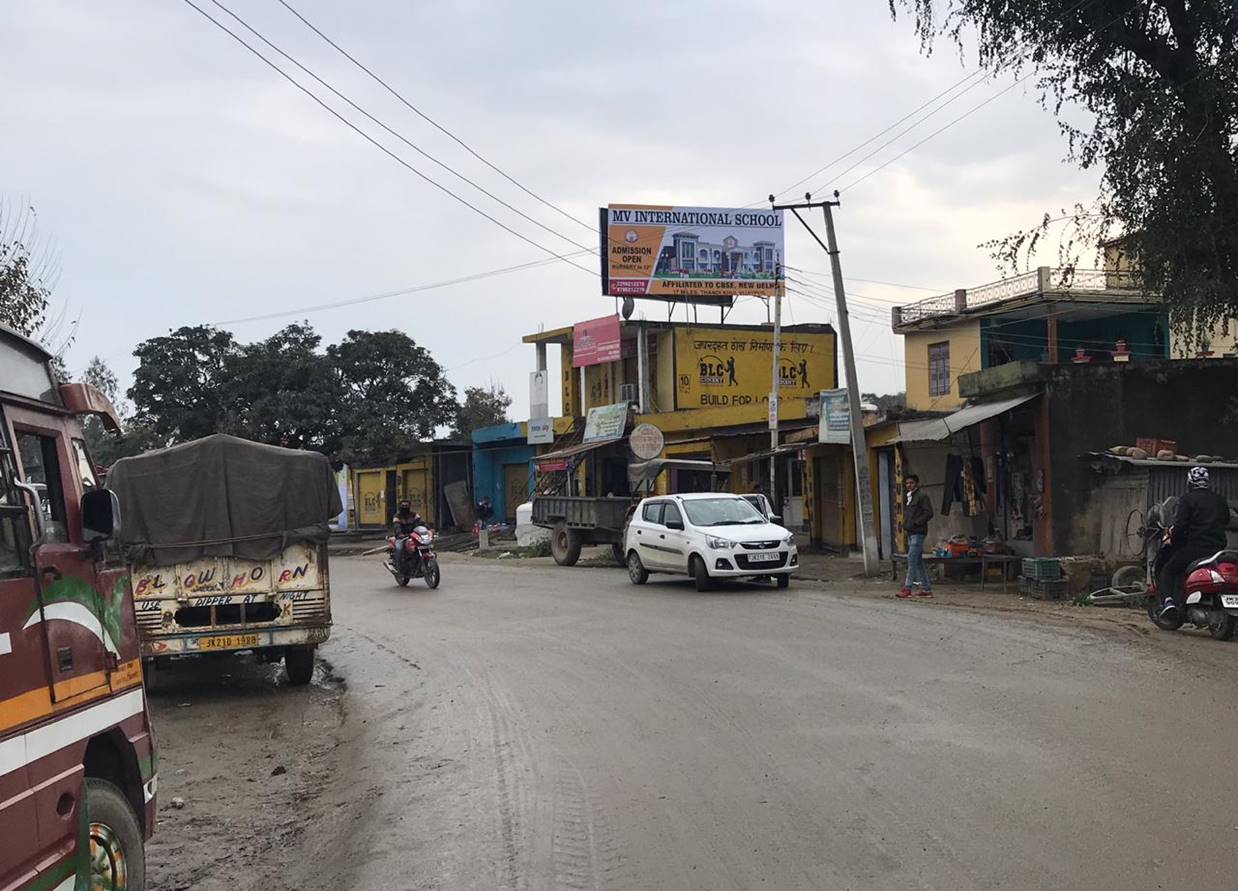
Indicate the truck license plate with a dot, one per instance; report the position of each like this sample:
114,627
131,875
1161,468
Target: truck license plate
1229,601
230,642
770,557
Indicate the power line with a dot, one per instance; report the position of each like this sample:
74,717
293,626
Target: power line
937,132
379,145
875,136
398,95
397,135
897,136
388,294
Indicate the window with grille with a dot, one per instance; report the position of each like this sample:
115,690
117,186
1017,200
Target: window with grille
939,369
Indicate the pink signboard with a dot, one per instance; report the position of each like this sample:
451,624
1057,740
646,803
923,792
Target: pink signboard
596,341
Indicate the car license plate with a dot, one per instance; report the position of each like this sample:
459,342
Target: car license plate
769,557
230,642
1229,601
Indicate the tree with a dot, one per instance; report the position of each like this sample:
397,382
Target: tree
1160,80
133,439
393,395
27,270
180,389
482,407
284,391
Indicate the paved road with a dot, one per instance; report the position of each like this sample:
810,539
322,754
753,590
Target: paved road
553,728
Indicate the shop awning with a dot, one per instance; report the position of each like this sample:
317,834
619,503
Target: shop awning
936,429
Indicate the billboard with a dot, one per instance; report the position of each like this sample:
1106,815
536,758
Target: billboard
729,366
606,422
692,254
596,342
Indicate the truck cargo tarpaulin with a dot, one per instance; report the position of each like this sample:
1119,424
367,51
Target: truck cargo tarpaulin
690,254
224,497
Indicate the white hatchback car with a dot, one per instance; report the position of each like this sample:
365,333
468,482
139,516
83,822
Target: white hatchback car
708,536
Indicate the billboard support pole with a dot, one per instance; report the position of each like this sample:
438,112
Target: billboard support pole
859,447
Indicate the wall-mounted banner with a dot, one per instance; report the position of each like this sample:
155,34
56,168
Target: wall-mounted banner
596,341
835,417
690,254
606,422
539,394
730,366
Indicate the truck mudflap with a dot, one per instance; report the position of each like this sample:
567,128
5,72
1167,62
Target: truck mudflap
234,640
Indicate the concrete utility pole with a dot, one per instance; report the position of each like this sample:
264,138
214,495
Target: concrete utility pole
859,446
773,397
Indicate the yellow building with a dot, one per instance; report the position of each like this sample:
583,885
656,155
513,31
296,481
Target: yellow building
707,388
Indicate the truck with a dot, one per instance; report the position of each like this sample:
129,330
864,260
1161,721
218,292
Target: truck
578,520
78,768
227,547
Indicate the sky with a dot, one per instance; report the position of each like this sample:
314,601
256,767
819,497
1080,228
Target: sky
183,181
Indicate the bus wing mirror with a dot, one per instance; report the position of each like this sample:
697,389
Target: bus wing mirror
100,515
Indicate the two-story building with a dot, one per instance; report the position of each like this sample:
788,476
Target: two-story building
706,388
1011,386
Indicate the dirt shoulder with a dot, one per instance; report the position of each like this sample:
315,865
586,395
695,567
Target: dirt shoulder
246,769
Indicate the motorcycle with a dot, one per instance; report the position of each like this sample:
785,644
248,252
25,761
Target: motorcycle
1211,583
413,557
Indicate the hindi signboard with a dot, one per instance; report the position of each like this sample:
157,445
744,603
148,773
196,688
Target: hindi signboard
690,254
596,342
646,441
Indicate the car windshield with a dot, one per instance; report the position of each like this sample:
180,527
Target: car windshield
722,512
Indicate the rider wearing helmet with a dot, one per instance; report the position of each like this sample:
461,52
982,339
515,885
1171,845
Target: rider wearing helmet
1198,532
405,521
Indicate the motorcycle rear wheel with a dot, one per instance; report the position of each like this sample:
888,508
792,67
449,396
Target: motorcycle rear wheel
432,574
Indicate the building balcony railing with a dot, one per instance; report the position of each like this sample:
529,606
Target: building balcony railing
1045,279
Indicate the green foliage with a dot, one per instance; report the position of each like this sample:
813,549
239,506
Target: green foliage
393,395
25,273
482,407
1159,80
367,400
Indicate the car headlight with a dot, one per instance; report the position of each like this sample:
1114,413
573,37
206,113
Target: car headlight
790,539
719,544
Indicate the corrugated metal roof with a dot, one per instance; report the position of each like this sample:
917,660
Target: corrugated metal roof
935,429
1152,462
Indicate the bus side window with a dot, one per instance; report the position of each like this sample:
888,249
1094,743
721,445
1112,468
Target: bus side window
14,523
40,467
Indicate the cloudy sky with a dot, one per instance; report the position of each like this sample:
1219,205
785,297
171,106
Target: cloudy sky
183,181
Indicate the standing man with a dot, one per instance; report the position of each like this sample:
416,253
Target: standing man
1198,531
916,516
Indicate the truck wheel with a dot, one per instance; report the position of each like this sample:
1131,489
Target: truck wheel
299,665
616,551
564,545
117,853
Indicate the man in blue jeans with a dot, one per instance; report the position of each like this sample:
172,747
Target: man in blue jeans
916,516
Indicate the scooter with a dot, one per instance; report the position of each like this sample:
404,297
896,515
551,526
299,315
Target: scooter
413,557
1211,584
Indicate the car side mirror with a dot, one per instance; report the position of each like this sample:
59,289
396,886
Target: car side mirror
100,515
776,518
675,524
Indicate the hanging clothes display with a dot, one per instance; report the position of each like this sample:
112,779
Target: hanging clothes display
954,484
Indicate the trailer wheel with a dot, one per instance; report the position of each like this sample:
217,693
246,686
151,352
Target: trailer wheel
616,551
564,545
299,665
116,851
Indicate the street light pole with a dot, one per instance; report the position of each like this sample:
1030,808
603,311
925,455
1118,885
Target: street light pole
859,446
774,393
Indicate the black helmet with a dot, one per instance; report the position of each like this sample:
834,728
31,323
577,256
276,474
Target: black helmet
405,506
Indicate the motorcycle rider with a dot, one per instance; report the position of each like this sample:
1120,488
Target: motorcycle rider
1198,532
404,522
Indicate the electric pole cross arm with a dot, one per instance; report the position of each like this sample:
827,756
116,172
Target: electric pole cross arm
859,446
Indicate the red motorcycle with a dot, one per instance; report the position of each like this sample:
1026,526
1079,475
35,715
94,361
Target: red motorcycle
413,557
1211,583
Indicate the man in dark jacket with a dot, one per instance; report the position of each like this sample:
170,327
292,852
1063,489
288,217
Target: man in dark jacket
916,515
1198,532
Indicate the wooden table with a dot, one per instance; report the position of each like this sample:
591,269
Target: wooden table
984,561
